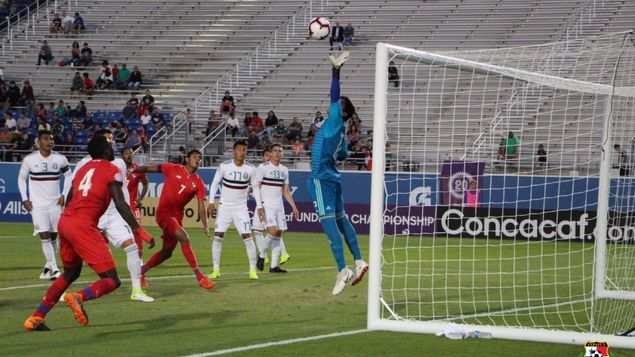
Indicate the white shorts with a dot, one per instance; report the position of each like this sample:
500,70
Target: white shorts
115,229
45,219
275,217
256,223
228,215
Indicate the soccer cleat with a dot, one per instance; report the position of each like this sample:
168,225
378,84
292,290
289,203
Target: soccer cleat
34,323
260,264
54,275
343,277
266,260
140,295
46,274
340,60
144,283
284,258
360,269
74,301
253,275
277,270
215,274
206,283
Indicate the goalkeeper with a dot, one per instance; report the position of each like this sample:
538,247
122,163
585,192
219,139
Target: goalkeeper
324,182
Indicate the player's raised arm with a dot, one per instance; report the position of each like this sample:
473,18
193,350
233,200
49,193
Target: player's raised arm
218,177
22,177
116,193
144,169
337,116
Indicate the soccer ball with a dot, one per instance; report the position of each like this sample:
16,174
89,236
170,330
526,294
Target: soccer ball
319,28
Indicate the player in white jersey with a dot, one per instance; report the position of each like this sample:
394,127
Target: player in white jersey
235,176
272,182
117,230
258,225
43,169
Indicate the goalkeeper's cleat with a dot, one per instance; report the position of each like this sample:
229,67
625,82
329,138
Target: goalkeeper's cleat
206,283
284,258
253,275
343,278
54,275
277,270
34,323
74,301
45,274
260,264
340,60
140,295
215,274
143,281
360,269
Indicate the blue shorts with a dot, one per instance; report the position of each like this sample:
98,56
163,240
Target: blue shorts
326,196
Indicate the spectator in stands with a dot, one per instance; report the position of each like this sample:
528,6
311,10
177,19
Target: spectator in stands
31,108
270,124
294,131
58,128
123,77
358,156
227,104
23,146
233,126
146,118
256,122
143,135
69,143
60,111
189,117
43,125
45,53
1,75
337,35
13,92
58,140
120,134
67,22
298,148
23,122
542,157
75,55
620,160
157,118
41,111
247,121
133,141
86,55
388,157
212,122
135,79
4,96
78,23
89,86
147,102
181,158
56,24
349,34
6,145
253,141
311,136
280,131
78,83
115,75
105,79
129,111
80,110
10,122
509,146
352,136
27,93
317,119
134,100
89,122
393,74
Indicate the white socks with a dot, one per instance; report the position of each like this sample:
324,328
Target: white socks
260,243
275,250
283,250
134,265
217,247
49,253
251,252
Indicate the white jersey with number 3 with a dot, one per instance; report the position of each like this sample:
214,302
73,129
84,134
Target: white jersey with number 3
272,179
235,181
44,178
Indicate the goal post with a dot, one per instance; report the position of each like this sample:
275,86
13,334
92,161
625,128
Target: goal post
472,224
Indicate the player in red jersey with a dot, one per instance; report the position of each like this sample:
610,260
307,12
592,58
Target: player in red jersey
94,185
133,187
182,183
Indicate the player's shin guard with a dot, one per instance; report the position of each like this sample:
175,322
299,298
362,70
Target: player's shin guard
49,254
134,265
217,248
98,289
189,255
52,296
275,251
350,236
250,247
335,239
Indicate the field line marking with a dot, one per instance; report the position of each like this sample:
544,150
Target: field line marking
168,277
277,343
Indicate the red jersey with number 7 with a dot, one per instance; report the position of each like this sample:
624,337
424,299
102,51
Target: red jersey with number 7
91,195
178,189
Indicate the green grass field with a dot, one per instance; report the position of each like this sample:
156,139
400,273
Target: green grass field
186,319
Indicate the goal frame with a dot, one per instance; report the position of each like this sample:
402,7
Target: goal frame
384,52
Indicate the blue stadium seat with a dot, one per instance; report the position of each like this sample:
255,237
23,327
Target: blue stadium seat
151,130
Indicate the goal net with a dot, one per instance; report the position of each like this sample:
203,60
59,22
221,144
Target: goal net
504,198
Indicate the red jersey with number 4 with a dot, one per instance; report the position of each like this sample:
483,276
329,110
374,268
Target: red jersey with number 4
179,188
91,195
133,184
